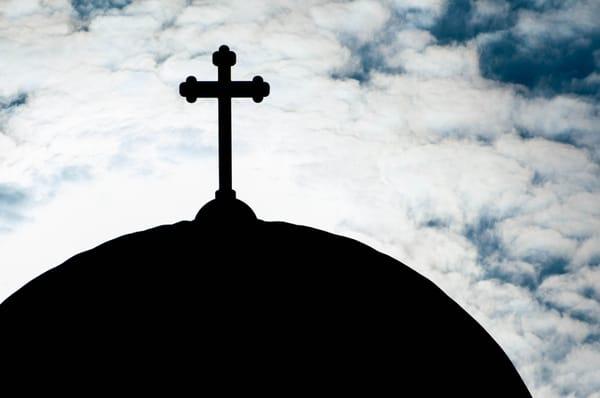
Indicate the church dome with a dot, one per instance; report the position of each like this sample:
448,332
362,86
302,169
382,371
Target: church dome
266,304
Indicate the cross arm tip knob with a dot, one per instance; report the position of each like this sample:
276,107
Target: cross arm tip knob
186,89
261,89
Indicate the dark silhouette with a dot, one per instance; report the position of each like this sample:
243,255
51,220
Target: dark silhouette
225,204
231,303
224,90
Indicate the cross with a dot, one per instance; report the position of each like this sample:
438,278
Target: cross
224,89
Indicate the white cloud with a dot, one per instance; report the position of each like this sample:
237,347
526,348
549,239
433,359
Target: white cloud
560,114
359,20
580,371
490,8
432,6
416,39
528,242
438,61
565,22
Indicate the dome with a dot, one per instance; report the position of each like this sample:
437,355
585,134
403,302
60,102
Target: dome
250,305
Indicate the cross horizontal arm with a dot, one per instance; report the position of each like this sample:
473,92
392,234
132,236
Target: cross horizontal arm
256,89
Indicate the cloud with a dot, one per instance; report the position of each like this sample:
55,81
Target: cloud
463,19
11,199
576,374
546,46
355,21
554,65
460,137
89,8
8,106
576,293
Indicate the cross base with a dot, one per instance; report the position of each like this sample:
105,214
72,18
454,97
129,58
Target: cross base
225,194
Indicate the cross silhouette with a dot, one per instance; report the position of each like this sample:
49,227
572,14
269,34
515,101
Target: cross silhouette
224,89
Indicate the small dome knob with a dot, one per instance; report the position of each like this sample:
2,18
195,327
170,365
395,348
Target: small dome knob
225,212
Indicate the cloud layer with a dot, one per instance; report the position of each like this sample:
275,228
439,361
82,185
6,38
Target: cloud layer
460,137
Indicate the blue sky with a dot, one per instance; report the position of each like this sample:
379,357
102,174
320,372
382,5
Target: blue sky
460,137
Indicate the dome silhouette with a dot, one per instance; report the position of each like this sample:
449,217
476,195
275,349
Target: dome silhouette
268,304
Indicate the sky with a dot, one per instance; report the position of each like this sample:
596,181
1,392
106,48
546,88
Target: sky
460,137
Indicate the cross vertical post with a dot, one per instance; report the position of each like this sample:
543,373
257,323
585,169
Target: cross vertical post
224,89
224,61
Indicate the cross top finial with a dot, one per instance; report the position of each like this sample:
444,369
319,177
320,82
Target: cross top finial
224,89
223,57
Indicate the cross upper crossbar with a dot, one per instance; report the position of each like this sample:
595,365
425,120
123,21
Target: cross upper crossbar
256,89
224,89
